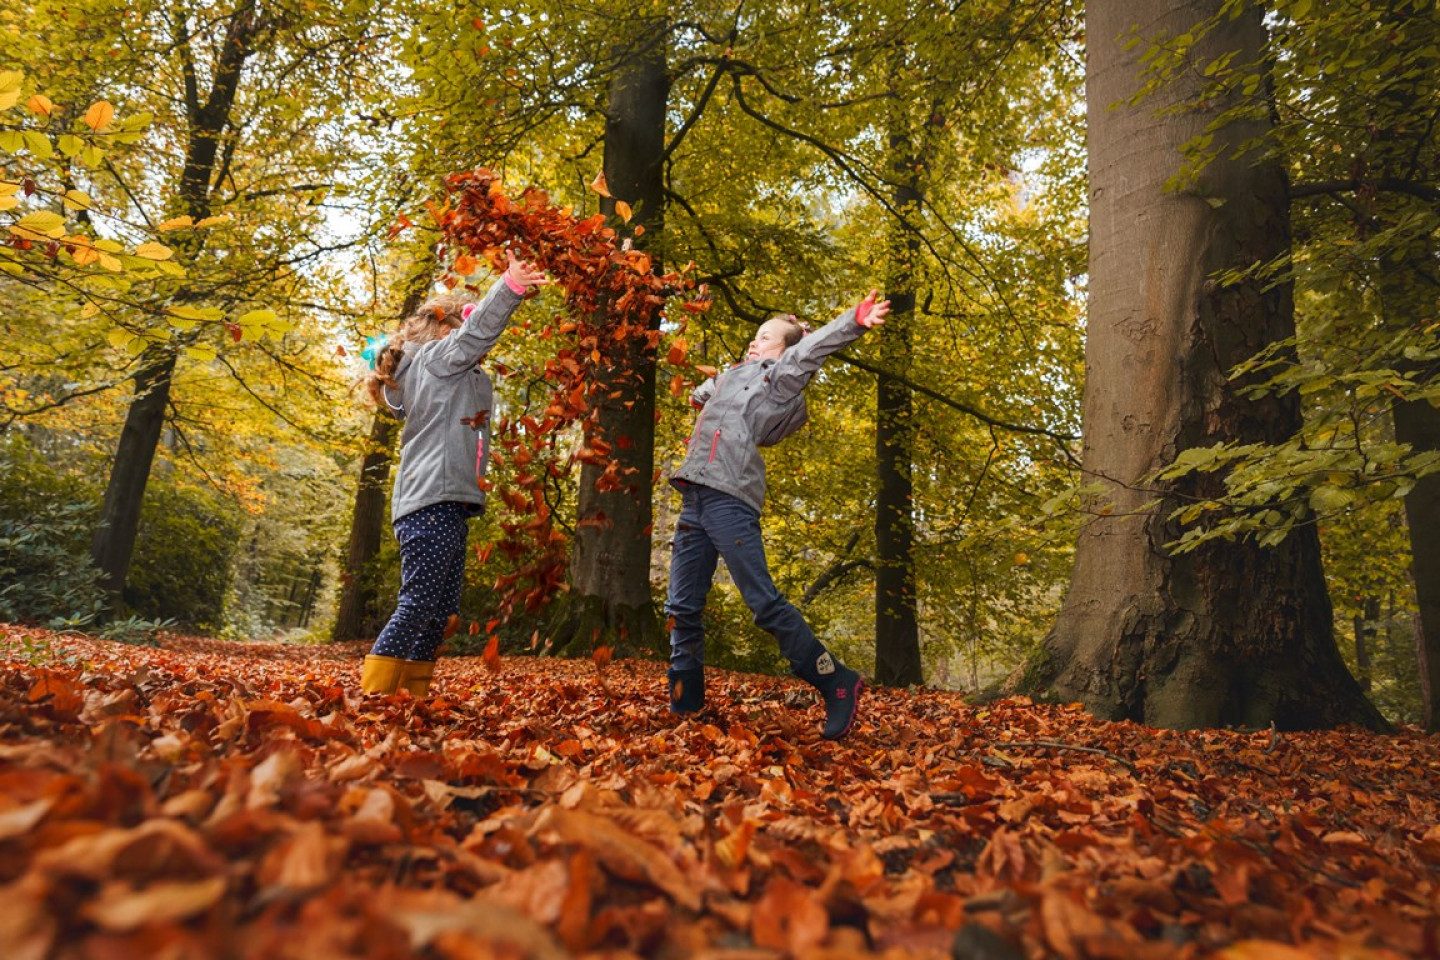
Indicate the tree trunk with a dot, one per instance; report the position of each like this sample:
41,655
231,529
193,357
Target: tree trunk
897,634
610,599
1364,640
1231,633
358,616
1418,424
114,541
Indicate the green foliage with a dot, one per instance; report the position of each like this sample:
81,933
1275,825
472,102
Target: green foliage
733,642
45,524
184,557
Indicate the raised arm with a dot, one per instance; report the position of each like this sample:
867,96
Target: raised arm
792,372
485,321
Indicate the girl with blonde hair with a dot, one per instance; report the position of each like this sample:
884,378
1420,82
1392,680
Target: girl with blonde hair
429,375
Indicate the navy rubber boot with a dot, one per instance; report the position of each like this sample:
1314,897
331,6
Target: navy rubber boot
687,690
839,686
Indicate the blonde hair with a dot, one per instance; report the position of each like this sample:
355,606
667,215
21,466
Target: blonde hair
797,329
434,319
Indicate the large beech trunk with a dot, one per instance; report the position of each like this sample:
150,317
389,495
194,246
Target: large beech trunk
610,599
897,632
1232,633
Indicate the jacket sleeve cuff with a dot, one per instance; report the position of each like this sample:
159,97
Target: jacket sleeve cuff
515,287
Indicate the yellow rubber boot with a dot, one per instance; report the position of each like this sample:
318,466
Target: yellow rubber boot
416,675
381,674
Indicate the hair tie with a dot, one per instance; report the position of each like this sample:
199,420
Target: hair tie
373,347
466,310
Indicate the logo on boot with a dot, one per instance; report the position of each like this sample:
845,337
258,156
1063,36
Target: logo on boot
825,664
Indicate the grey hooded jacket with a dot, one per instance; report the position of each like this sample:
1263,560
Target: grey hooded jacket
444,397
755,404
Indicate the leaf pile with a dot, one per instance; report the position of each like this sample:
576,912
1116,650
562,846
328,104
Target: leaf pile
207,799
604,341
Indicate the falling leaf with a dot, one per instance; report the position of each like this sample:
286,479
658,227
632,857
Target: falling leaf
492,653
599,185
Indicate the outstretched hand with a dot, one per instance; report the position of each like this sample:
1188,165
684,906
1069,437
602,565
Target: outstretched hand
524,274
872,313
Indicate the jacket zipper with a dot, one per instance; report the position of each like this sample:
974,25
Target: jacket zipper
714,442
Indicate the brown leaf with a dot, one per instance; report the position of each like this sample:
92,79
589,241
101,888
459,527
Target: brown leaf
121,907
788,917
306,860
22,819
619,852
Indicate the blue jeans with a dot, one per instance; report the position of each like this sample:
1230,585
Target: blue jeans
715,525
432,574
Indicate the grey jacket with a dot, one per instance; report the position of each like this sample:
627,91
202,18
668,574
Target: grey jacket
755,404
444,397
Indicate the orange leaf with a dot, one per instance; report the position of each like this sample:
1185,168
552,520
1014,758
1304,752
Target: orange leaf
99,115
621,852
623,209
492,653
788,917
599,185
119,907
677,351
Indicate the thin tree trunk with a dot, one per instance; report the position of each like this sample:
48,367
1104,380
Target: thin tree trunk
114,542
1364,640
357,616
610,599
1231,633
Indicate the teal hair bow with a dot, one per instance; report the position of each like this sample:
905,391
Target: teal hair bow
373,346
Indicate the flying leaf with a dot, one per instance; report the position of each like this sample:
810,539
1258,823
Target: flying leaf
599,185
492,653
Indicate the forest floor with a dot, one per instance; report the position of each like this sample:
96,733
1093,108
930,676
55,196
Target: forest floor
213,799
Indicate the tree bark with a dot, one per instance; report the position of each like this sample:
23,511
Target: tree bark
357,616
610,599
1364,638
1418,424
114,542
1231,633
897,632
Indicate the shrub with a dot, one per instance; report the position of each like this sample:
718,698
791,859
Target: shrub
183,558
46,520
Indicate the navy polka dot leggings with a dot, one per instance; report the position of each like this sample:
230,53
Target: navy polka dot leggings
432,573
